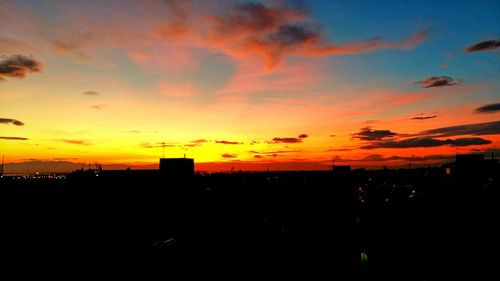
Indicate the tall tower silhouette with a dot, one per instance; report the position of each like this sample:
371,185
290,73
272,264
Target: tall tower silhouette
1,167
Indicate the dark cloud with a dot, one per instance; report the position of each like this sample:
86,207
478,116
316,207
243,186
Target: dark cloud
371,121
436,81
332,136
303,136
99,106
424,117
426,142
370,135
494,107
290,35
11,121
80,142
484,46
286,140
227,155
258,156
478,129
227,142
254,17
469,141
18,66
13,138
91,93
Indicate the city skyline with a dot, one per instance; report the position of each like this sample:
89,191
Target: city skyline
284,84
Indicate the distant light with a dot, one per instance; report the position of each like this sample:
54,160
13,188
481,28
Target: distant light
364,259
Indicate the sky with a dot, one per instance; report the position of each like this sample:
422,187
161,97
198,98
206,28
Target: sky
248,85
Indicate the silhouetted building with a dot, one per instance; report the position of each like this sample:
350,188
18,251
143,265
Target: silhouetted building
341,169
472,170
177,167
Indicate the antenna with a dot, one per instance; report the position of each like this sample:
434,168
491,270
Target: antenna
1,167
163,146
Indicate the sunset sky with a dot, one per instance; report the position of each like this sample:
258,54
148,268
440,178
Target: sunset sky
251,85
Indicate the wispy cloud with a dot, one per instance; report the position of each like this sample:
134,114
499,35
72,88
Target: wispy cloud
426,142
489,108
11,121
227,142
303,136
72,141
424,117
18,66
13,138
271,32
478,129
159,144
228,155
199,141
99,106
90,93
483,46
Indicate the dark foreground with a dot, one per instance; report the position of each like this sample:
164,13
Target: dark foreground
368,225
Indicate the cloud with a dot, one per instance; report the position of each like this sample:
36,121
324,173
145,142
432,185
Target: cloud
339,149
11,121
271,32
159,144
90,93
303,136
13,138
436,81
258,156
192,144
99,106
18,66
274,152
374,44
227,155
381,158
199,141
483,46
424,117
426,142
370,135
80,142
286,140
489,108
478,129
469,141
227,142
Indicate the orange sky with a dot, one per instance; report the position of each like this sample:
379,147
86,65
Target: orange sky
262,85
